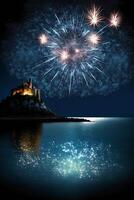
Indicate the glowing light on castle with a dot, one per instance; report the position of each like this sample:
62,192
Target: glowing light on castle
26,88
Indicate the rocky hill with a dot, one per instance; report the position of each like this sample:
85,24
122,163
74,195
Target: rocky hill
28,106
25,103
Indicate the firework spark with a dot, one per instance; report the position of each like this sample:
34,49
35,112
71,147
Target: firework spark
64,55
115,19
94,16
94,38
43,39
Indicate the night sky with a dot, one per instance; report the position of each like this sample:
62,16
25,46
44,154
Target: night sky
117,103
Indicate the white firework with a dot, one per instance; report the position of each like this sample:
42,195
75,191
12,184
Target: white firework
43,39
94,16
115,19
94,38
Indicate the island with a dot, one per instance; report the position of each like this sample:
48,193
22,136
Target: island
25,103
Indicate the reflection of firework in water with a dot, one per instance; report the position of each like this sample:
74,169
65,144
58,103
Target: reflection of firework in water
72,53
69,159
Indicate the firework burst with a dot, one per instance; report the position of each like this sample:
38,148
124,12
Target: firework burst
72,56
74,50
94,16
94,38
115,19
43,39
70,52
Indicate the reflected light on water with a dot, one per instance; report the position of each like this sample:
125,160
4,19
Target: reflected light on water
92,119
77,160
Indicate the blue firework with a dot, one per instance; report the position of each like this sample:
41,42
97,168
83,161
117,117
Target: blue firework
66,54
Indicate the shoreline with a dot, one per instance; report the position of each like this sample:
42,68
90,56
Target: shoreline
41,119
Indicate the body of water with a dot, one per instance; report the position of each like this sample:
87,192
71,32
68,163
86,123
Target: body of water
67,160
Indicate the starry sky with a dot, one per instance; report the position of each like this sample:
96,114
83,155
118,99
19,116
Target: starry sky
114,103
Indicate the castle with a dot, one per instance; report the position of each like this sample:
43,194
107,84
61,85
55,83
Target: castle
26,88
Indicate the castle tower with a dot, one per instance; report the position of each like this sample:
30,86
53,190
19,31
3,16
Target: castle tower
35,92
38,95
30,83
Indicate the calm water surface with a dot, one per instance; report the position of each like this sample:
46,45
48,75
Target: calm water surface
67,160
